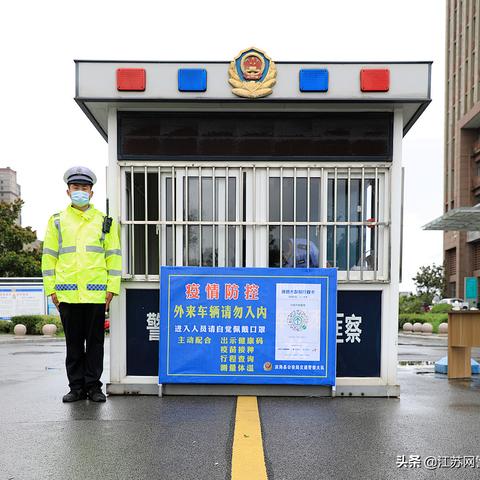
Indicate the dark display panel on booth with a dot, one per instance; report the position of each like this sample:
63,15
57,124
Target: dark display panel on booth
255,136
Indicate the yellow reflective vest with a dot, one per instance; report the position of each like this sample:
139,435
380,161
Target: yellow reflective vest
80,263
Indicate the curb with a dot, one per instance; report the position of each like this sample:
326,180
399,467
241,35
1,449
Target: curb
433,340
11,339
432,336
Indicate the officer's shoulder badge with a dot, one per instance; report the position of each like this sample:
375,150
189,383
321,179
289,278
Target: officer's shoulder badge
252,74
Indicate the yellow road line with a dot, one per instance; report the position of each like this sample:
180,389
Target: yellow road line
248,461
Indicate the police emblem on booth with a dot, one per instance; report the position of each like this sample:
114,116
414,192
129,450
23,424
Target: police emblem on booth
252,74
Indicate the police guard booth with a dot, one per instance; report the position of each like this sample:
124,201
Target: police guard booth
256,163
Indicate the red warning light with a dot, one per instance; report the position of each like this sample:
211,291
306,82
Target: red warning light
131,79
375,80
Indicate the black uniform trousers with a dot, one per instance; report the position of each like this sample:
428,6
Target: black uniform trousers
83,324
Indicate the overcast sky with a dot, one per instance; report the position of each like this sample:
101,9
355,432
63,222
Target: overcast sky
44,132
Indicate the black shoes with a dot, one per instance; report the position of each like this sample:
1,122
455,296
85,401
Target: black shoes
74,396
96,395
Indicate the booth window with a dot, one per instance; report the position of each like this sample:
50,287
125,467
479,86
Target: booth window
353,227
209,203
192,220
294,216
331,217
254,135
255,216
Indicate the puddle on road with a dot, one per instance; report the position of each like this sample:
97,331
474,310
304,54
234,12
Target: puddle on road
418,363
421,363
50,345
32,353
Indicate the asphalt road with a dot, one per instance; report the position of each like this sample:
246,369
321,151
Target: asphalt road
191,438
424,348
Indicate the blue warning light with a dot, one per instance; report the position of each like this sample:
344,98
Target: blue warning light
314,80
192,80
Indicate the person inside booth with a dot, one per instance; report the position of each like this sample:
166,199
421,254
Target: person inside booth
301,253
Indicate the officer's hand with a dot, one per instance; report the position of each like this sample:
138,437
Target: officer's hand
55,299
108,299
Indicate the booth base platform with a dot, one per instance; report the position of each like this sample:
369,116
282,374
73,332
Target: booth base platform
388,391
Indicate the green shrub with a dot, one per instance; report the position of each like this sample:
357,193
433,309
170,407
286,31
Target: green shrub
30,321
5,326
49,319
411,304
434,318
34,323
441,308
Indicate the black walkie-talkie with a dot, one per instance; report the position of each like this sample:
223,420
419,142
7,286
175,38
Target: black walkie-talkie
107,222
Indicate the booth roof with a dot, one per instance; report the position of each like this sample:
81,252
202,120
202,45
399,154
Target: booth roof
408,88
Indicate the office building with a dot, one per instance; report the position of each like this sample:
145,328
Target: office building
462,137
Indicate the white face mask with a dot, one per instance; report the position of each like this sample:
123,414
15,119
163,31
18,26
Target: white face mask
80,198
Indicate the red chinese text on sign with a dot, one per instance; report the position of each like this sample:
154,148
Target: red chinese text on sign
192,290
231,291
251,291
212,290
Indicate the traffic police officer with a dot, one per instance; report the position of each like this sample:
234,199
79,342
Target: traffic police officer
81,269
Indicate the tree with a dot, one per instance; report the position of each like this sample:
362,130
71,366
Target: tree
430,281
15,260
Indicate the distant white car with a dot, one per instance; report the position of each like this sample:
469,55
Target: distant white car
455,303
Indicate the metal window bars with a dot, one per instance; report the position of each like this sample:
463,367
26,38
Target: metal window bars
220,215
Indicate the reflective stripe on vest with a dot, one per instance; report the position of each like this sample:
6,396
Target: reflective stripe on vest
61,249
51,252
94,248
56,220
67,250
48,273
66,286
96,286
115,273
115,251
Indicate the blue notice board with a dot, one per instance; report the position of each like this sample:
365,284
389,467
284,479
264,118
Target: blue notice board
248,325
